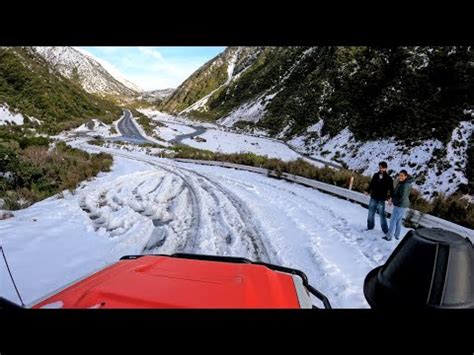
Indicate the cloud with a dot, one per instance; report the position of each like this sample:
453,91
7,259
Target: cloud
151,53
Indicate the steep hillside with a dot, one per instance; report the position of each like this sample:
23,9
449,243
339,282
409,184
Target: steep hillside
340,102
403,92
191,96
37,100
32,87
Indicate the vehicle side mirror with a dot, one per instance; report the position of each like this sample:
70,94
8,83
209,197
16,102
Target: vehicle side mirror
430,268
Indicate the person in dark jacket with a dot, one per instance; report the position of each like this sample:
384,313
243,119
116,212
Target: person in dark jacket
380,190
400,201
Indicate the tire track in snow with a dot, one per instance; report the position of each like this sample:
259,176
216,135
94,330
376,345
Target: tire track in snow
331,270
316,233
344,231
249,227
220,222
228,216
189,243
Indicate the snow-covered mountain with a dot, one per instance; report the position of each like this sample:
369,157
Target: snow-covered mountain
156,96
93,74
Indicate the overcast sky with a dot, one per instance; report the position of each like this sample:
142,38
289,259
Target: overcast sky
154,67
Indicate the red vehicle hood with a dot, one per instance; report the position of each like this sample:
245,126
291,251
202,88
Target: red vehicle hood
168,282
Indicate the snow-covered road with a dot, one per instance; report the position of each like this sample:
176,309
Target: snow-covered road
151,205
218,138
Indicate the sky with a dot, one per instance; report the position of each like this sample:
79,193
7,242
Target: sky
153,67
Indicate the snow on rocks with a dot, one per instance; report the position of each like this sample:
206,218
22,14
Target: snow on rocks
449,170
35,120
201,104
231,65
94,127
95,75
8,117
4,214
441,173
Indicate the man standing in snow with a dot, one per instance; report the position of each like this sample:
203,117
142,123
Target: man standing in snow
400,202
380,190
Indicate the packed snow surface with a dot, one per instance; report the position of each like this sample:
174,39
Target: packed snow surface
152,205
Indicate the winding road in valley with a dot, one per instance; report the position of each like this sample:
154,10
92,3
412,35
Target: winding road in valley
131,133
198,131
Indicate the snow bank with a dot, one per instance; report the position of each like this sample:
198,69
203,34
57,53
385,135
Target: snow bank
95,128
219,139
8,117
443,173
171,130
55,242
164,117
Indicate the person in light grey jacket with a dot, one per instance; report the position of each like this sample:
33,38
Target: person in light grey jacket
401,202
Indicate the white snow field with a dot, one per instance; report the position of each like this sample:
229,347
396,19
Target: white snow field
219,139
227,142
172,130
152,205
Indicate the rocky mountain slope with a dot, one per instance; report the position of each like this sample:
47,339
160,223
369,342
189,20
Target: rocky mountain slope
87,71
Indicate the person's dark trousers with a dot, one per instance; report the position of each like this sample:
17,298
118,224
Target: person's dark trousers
379,207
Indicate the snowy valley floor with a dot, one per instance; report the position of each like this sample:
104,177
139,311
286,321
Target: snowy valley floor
152,205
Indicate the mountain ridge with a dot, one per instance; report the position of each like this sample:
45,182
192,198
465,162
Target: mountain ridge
87,70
